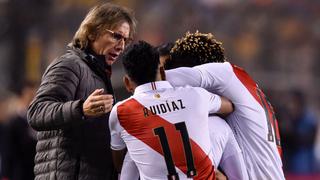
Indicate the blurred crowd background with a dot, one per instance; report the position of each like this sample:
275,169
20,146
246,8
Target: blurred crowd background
276,41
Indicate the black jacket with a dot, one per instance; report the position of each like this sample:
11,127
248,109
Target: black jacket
70,146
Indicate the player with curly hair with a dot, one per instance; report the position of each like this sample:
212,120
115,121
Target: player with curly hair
253,121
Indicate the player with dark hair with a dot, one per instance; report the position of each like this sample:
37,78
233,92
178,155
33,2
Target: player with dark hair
164,49
141,66
165,129
253,121
164,52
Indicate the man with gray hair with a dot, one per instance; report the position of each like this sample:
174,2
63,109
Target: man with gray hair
72,105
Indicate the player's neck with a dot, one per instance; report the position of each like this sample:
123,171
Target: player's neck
158,76
132,85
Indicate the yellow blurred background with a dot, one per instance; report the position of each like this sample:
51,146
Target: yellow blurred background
276,41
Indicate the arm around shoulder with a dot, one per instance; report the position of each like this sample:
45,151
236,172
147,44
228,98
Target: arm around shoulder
217,104
226,108
184,76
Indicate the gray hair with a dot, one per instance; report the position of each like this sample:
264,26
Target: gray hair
99,18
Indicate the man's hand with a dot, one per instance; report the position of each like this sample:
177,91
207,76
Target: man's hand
226,107
97,104
220,175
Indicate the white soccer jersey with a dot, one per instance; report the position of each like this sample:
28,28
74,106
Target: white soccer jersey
226,153
166,131
253,121
129,169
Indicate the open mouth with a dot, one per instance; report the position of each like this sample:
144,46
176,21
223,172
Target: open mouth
112,57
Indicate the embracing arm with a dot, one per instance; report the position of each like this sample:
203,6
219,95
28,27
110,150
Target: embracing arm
184,76
217,104
226,107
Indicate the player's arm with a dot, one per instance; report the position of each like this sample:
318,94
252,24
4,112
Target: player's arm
217,104
232,162
210,76
226,108
184,76
117,144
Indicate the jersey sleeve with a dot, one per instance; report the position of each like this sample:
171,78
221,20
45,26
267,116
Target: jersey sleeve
116,142
232,162
211,76
212,100
129,169
214,76
184,76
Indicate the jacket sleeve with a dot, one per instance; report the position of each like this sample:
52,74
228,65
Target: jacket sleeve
54,105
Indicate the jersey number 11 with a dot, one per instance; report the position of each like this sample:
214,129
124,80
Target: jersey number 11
191,171
271,119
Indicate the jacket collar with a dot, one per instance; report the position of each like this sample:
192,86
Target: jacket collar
90,56
96,63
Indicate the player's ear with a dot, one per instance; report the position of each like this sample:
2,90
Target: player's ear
127,83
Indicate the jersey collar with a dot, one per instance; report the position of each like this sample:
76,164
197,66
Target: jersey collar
153,86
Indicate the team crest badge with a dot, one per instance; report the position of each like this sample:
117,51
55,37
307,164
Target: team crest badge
157,96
